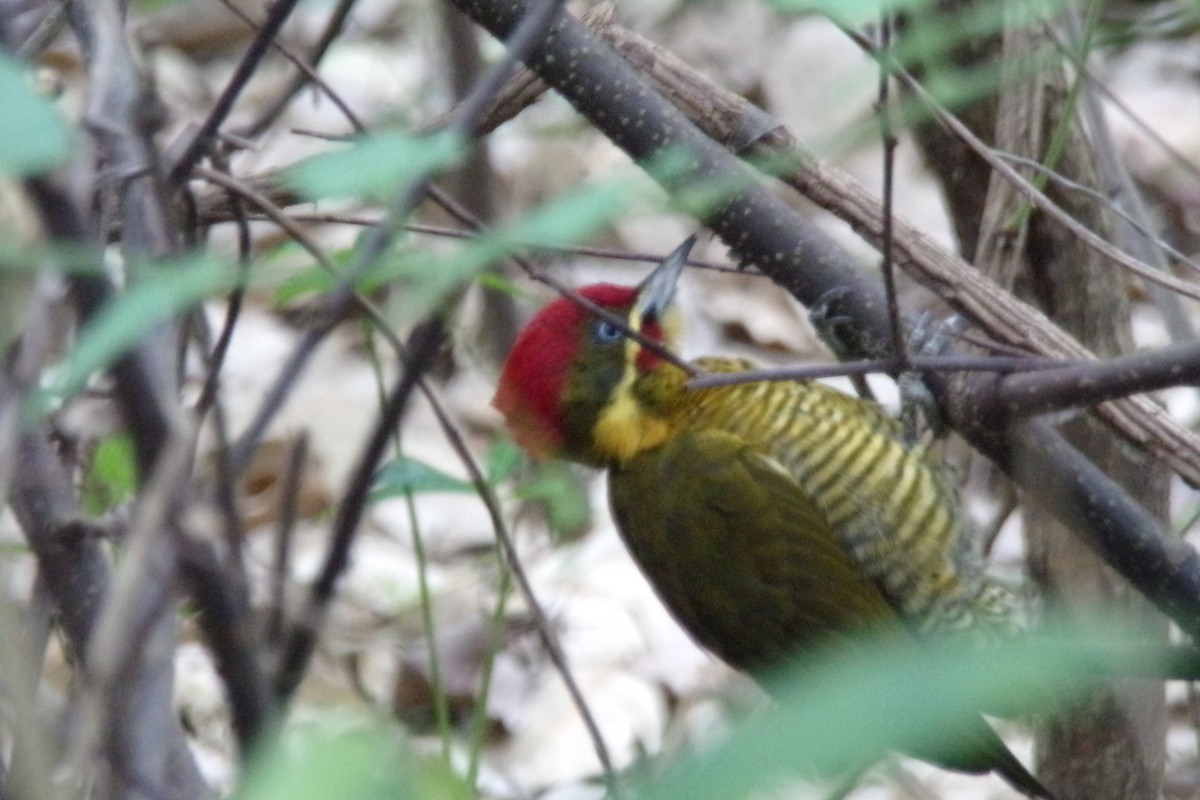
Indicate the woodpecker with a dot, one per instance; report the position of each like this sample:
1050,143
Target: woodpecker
771,518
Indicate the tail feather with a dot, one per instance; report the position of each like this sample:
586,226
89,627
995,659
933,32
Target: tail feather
978,749
1021,779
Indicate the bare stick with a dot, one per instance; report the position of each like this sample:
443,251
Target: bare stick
277,14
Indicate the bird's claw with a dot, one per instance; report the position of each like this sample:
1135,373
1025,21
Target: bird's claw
929,337
917,402
830,326
933,337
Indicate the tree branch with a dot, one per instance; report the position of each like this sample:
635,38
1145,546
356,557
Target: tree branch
751,132
763,230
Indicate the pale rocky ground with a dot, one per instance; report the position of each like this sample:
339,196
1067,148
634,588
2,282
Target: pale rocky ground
648,686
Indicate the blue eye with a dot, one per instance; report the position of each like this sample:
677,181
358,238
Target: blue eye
606,332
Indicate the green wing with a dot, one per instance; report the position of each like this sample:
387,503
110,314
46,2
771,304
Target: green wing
738,553
751,569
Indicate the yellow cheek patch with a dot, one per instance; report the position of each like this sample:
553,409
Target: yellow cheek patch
624,429
672,324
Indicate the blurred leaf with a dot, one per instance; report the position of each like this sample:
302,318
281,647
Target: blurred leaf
33,137
503,458
161,293
17,289
1188,519
311,281
364,764
494,280
852,13
152,6
317,279
560,493
430,278
839,714
374,166
573,216
291,282
934,34
112,475
562,222
404,475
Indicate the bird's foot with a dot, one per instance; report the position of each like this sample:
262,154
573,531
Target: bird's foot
933,337
837,332
831,326
929,337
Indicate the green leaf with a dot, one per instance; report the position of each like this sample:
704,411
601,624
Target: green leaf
407,475
162,292
562,222
311,281
492,280
851,13
151,6
291,273
33,136
12,549
558,490
367,763
572,217
375,166
839,714
503,458
112,475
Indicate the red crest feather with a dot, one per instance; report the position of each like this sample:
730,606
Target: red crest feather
530,388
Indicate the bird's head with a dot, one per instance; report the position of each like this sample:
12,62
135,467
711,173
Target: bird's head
566,389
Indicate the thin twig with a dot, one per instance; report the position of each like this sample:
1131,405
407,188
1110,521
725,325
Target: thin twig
425,342
470,233
228,626
380,237
277,15
1092,382
1081,64
1037,198
233,308
884,366
441,704
1031,386
222,493
285,529
131,653
887,135
305,72
513,561
1107,202
44,34
297,234
1126,195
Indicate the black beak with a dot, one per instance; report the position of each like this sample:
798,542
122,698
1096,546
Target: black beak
658,290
